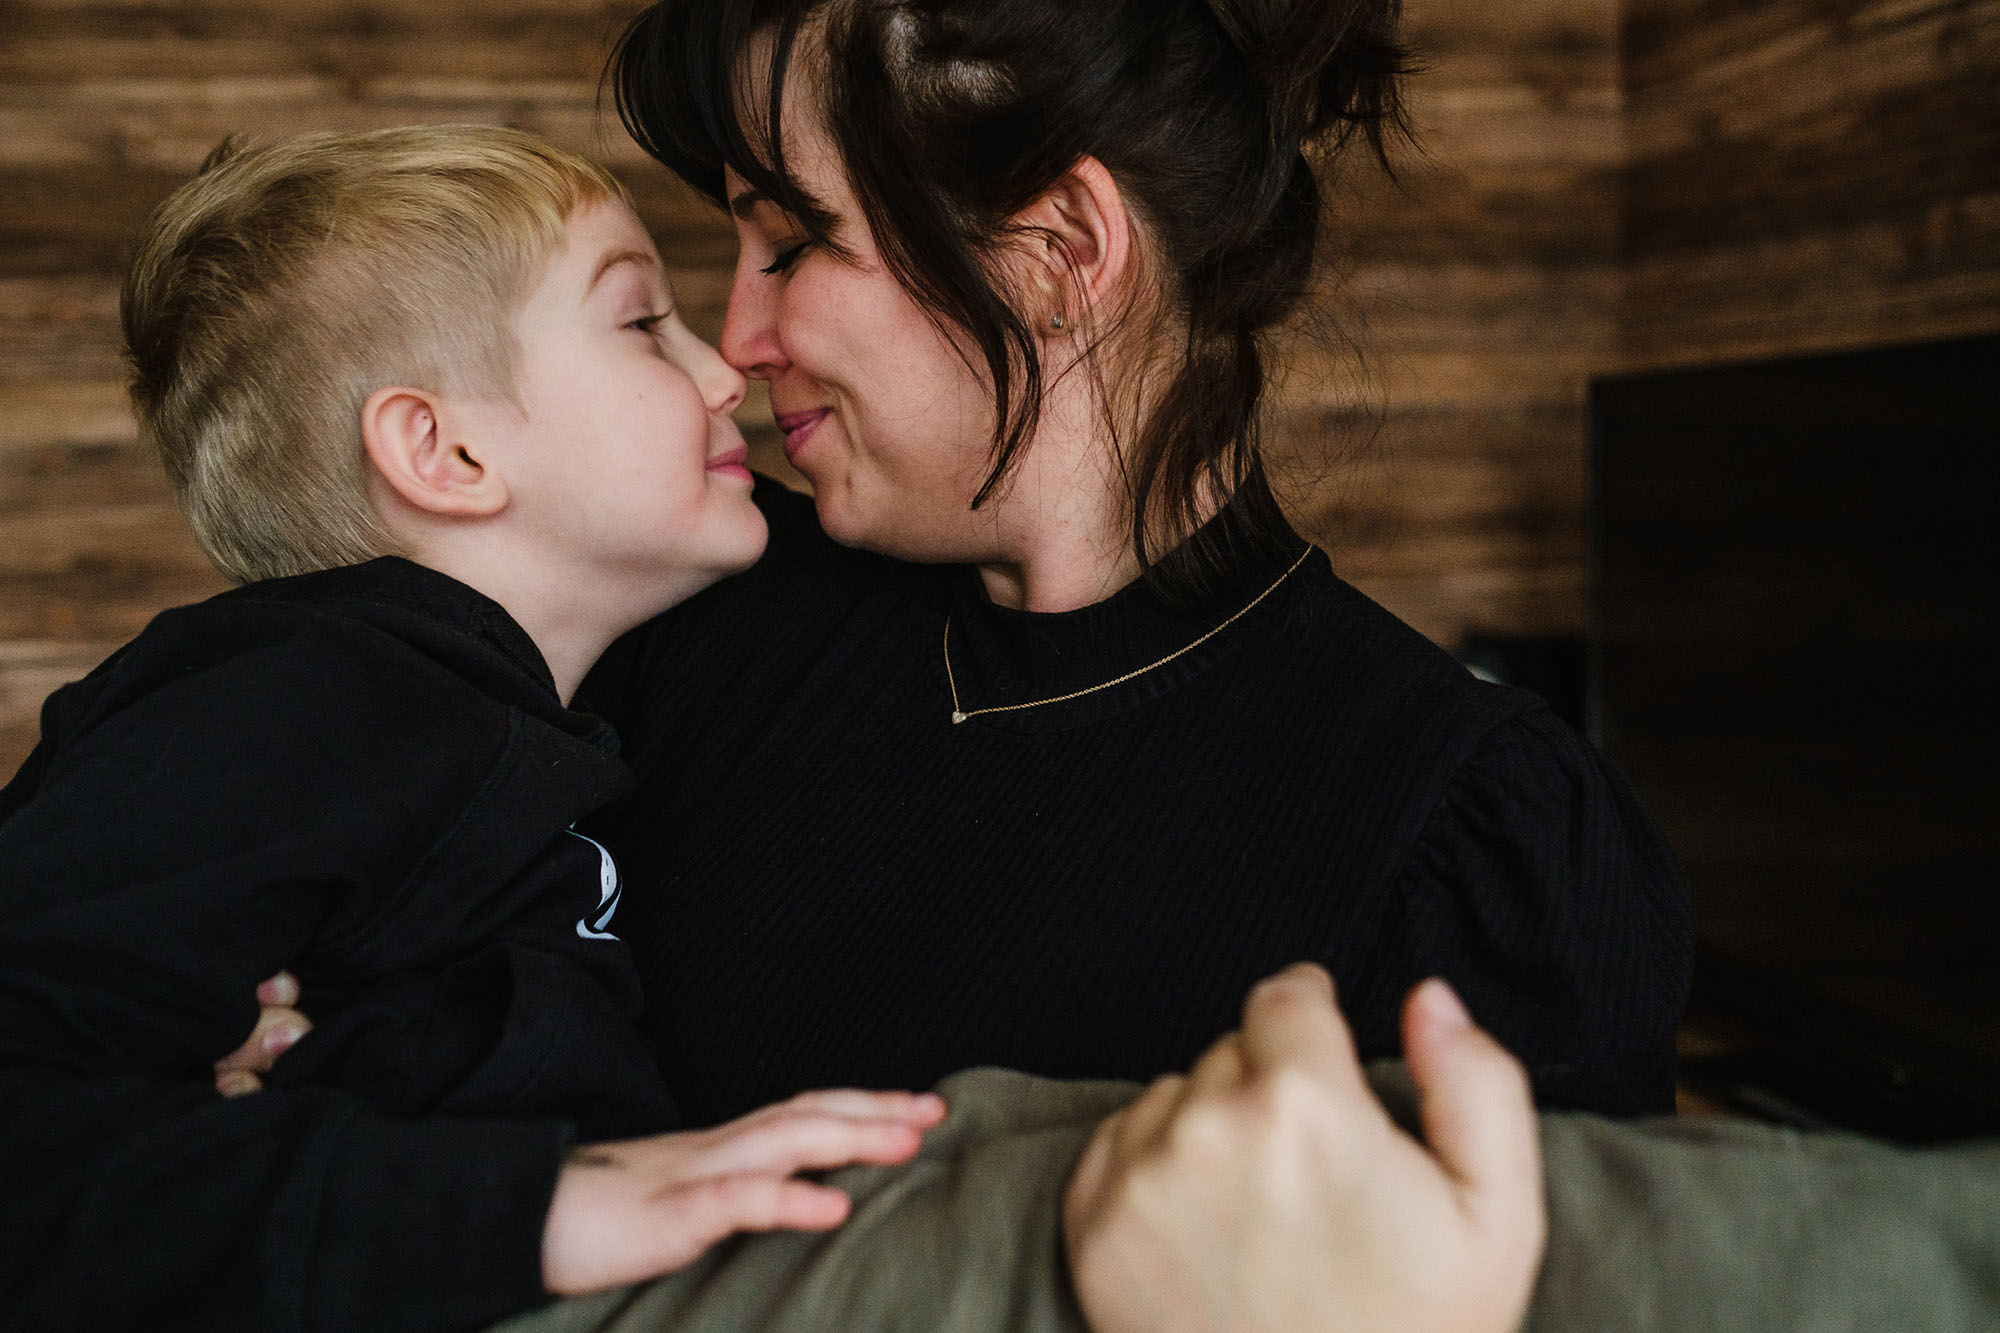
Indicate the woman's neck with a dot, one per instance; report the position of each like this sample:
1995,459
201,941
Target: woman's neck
1057,583
1067,546
1058,530
1064,519
1063,540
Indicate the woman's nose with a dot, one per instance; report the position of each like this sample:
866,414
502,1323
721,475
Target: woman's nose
750,328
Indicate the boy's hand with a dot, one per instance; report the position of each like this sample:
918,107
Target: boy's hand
279,1027
627,1211
1269,1190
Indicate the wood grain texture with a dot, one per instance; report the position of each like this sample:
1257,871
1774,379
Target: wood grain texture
1809,175
1444,466
1440,457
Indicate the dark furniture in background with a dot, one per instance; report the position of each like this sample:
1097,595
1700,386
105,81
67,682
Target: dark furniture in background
1795,654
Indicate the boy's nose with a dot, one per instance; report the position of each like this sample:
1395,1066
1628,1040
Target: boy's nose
722,387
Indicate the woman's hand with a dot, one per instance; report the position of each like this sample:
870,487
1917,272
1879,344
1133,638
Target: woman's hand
279,1027
627,1211
1269,1191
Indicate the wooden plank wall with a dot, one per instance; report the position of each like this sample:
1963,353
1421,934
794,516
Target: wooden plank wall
1483,288
1482,293
104,109
1809,175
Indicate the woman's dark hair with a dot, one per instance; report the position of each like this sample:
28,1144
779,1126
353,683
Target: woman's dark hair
952,116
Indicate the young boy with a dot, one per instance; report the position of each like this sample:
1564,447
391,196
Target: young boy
423,392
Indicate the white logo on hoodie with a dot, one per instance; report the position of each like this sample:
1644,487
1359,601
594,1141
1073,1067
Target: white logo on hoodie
593,927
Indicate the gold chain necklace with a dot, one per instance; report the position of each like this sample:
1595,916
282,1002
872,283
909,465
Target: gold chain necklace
959,714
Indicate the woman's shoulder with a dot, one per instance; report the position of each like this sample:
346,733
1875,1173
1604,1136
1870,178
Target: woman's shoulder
1528,871
1382,688
1562,885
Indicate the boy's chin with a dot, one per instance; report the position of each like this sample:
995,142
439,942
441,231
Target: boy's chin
725,559
756,534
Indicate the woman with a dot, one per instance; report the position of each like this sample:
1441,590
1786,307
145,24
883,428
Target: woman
1065,738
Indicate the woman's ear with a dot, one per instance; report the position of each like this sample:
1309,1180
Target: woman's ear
1081,245
404,433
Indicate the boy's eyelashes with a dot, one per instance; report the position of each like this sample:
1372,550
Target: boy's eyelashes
649,324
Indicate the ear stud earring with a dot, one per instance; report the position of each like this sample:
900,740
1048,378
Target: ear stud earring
1055,321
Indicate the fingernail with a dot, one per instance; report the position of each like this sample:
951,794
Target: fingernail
282,1038
1299,974
1444,1004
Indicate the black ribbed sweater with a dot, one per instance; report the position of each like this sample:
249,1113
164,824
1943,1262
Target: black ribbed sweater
833,884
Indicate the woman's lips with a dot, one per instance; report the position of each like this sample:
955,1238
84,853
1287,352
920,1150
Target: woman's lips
799,427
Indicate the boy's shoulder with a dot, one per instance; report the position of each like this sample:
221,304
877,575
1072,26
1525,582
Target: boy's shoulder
295,648
355,683
343,724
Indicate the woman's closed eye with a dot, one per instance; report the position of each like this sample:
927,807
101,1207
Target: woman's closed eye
785,259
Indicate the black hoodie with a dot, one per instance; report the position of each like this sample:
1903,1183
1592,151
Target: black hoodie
365,776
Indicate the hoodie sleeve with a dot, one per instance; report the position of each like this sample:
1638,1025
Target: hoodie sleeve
198,815
135,1204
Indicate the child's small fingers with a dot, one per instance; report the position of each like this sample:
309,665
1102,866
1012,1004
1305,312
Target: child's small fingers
277,1031
807,1140
705,1212
237,1083
800,1205
925,1108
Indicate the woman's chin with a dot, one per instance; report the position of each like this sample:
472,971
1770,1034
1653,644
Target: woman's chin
837,517
880,519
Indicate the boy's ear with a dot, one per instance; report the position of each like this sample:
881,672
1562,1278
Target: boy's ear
404,432
1080,246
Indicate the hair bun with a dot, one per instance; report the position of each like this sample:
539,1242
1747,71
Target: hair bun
1321,63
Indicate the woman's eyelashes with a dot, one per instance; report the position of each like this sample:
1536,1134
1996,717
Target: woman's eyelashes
786,257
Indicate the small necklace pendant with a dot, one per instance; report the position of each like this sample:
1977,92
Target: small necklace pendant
959,715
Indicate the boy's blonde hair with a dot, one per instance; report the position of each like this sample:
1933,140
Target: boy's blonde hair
272,294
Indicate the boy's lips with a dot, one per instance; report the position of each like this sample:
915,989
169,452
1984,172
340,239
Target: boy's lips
799,427
734,462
